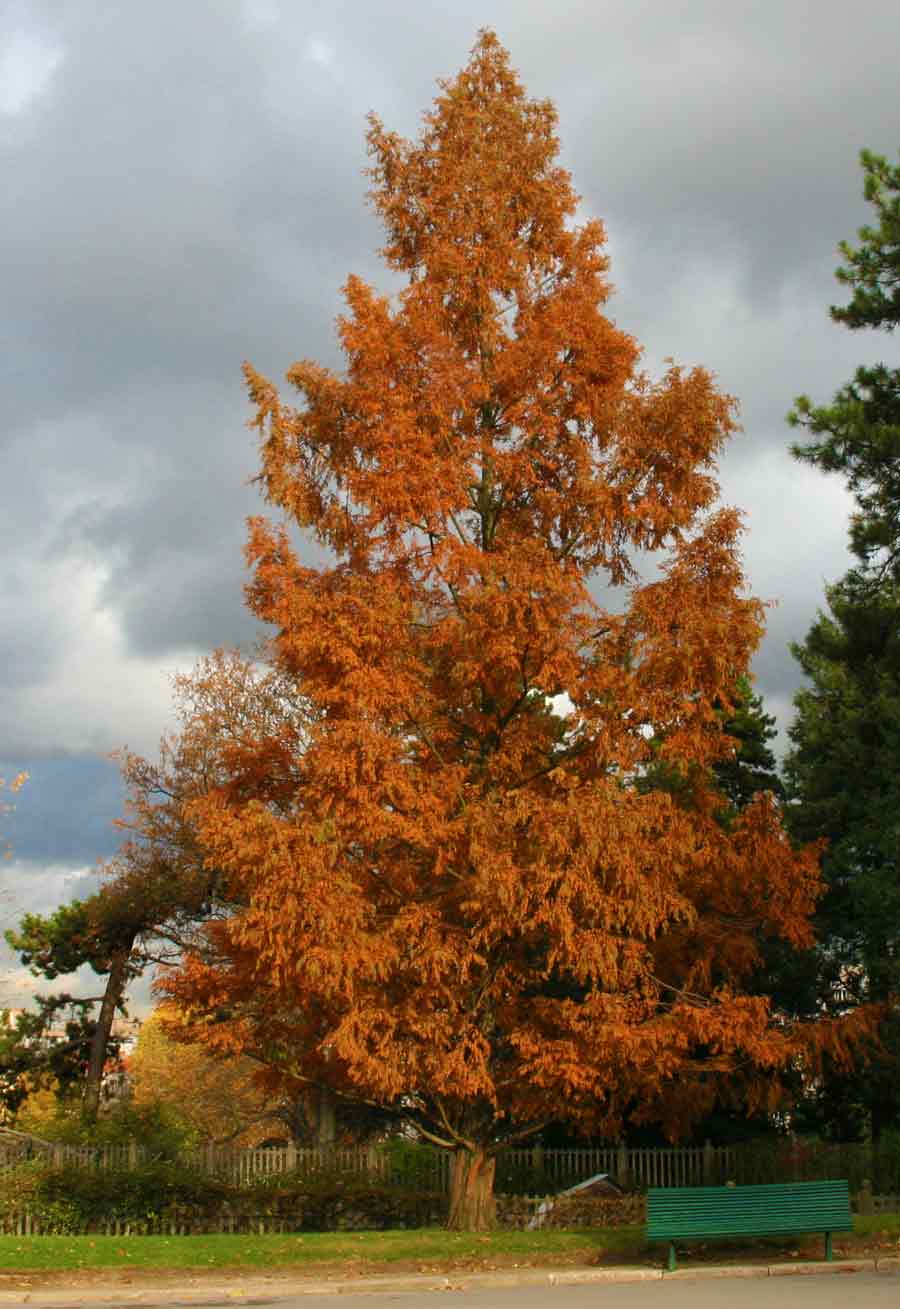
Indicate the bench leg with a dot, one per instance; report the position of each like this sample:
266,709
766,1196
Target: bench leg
828,1246
672,1265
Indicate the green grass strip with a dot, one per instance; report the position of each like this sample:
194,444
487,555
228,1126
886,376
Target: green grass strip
424,1248
303,1249
876,1225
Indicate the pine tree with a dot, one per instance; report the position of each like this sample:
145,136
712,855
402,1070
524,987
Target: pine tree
844,786
858,434
100,932
843,772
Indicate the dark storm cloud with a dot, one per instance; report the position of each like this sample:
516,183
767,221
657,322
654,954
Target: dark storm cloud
186,194
168,208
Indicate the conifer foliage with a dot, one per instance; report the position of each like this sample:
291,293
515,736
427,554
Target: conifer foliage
465,908
858,434
842,771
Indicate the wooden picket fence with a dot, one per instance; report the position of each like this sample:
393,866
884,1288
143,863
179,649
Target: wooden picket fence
867,1202
59,1155
519,1171
184,1221
673,1166
514,1212
241,1166
522,1170
526,1181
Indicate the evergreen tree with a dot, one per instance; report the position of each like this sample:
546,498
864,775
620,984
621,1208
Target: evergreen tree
844,778
843,781
843,770
100,932
48,1045
752,767
858,434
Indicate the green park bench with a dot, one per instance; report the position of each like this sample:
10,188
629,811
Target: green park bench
693,1213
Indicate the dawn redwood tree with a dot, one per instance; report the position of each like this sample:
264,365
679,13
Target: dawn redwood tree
465,907
241,726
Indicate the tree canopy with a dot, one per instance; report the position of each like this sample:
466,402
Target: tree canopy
101,932
157,889
450,899
215,1099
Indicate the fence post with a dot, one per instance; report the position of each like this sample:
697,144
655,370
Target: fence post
537,1164
132,1155
864,1201
708,1162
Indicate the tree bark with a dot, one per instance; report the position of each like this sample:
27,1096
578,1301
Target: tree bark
472,1204
325,1119
115,987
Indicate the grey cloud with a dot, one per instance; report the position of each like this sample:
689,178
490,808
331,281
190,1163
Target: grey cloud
158,215
30,645
184,190
201,610
731,126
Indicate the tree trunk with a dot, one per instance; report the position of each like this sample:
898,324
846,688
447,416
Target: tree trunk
115,986
472,1205
325,1119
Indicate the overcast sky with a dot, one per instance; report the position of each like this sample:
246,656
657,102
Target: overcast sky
182,189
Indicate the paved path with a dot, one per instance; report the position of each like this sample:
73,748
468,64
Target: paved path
869,1291
750,1287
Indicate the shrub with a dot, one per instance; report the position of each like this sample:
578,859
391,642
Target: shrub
74,1199
353,1205
21,1189
155,1126
414,1165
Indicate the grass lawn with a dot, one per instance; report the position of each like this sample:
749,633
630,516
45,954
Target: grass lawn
875,1225
428,1250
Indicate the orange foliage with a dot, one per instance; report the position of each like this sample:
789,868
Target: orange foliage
233,713
464,904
